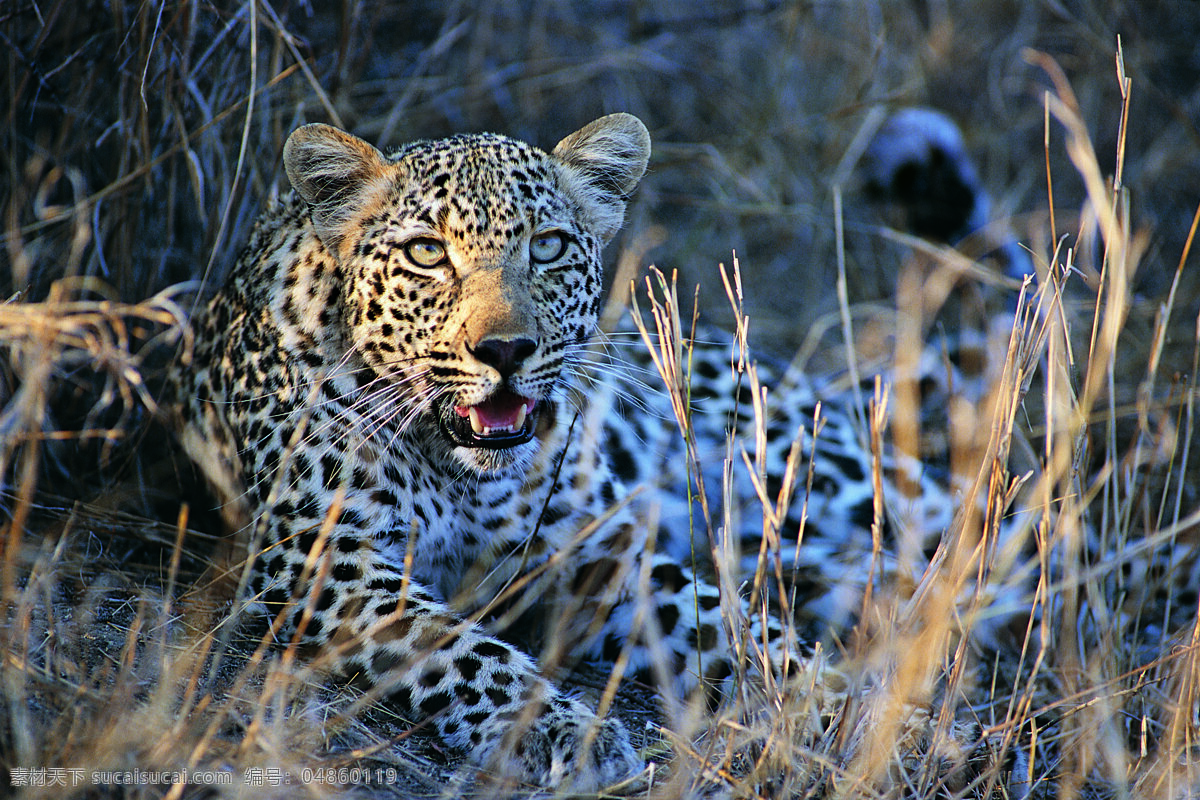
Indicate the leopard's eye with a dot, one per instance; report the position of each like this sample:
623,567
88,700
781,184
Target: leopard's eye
425,252
545,247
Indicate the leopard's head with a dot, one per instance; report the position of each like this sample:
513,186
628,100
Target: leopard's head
470,271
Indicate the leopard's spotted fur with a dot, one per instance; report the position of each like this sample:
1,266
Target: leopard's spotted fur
330,400
386,395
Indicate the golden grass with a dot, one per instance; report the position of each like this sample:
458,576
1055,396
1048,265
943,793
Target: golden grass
1085,709
140,141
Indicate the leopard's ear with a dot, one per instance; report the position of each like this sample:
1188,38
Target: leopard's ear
604,161
330,168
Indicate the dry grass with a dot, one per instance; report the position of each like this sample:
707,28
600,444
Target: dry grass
139,141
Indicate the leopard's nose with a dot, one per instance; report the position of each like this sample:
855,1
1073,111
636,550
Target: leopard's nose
504,355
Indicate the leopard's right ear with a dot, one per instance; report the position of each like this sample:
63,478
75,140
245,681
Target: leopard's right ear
330,168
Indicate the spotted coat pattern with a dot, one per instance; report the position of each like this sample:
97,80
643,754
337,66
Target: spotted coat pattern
383,398
397,399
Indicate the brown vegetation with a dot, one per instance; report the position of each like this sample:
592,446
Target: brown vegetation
140,140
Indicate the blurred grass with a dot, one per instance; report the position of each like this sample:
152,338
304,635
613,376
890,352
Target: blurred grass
138,142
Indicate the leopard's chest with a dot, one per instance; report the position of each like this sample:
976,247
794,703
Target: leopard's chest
459,536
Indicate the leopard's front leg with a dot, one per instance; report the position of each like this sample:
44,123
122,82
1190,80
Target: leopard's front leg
478,693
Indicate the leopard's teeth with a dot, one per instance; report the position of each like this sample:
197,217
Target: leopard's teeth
487,430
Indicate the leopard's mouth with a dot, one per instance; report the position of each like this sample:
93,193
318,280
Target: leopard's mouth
506,419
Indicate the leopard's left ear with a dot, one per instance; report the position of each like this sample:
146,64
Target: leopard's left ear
330,168
604,161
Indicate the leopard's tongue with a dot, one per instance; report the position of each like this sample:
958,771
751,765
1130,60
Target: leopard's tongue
503,412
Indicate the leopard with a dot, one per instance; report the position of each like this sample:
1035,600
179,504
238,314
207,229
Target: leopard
399,401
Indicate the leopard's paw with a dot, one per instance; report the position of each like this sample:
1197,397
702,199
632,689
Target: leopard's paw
566,746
